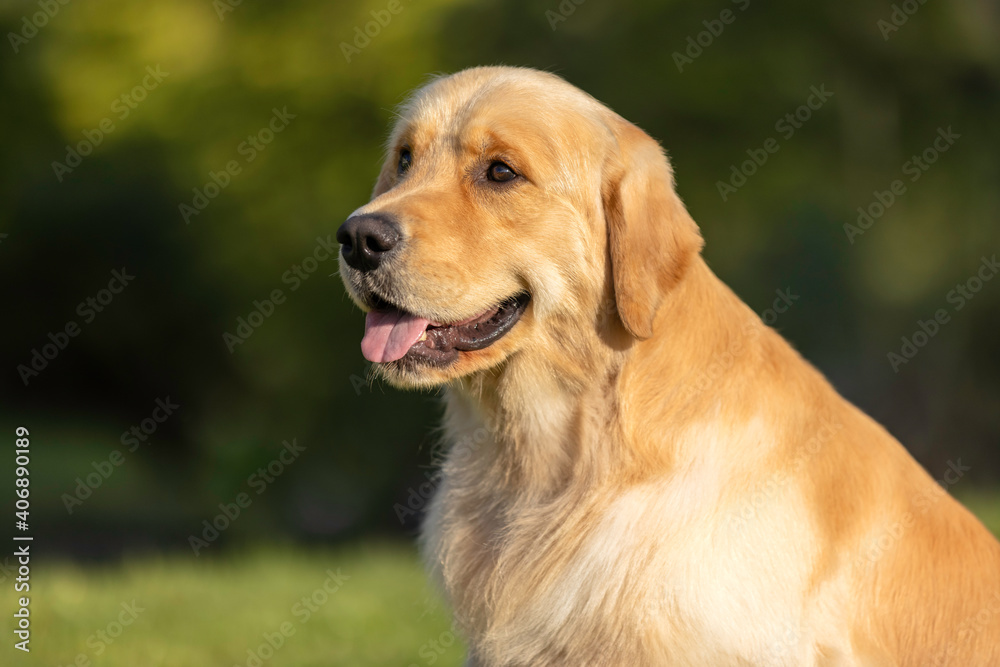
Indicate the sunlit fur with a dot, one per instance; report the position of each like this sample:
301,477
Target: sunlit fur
641,472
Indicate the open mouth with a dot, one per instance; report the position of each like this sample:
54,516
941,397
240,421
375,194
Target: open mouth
392,334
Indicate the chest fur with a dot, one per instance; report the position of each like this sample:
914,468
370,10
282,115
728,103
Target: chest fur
634,575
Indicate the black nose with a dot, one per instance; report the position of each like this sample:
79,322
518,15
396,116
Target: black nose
367,239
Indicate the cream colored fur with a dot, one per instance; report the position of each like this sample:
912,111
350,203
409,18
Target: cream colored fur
664,480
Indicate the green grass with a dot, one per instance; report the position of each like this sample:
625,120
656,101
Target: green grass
211,611
199,612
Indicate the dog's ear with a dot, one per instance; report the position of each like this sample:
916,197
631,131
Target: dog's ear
652,238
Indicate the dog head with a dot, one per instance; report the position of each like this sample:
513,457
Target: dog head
513,214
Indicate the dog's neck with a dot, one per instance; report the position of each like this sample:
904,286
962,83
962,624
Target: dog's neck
537,428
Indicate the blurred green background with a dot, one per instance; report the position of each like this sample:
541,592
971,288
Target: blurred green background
117,115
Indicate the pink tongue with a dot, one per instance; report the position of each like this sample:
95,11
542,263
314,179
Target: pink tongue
390,334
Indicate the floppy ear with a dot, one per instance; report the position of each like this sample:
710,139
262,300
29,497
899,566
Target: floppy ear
651,237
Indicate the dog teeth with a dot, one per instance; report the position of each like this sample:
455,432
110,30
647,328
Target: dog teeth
423,336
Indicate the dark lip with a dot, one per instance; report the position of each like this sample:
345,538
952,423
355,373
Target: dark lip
443,343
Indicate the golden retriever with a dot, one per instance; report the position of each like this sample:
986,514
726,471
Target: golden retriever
640,471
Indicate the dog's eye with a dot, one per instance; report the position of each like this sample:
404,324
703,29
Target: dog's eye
500,173
405,160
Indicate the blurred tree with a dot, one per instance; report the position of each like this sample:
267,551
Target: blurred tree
712,86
